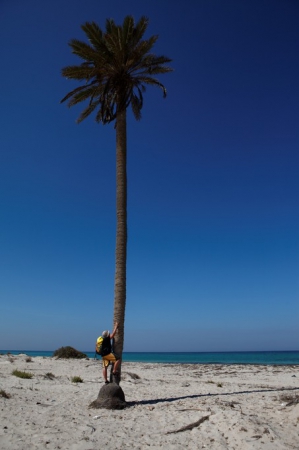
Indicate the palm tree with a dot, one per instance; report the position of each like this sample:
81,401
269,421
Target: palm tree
117,67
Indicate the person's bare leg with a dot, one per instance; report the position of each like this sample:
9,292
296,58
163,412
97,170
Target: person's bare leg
105,373
111,373
116,365
116,372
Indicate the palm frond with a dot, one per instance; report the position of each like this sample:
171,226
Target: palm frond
150,61
86,112
83,50
94,34
114,43
82,72
153,82
137,101
136,107
110,26
127,28
81,96
155,70
139,30
74,91
139,51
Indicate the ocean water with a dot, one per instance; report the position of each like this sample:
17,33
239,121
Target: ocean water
265,358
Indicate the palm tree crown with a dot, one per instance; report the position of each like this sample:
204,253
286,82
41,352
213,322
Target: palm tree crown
117,65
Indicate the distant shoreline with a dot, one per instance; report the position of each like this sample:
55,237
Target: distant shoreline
290,357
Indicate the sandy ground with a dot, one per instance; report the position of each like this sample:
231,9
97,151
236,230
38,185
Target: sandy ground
222,406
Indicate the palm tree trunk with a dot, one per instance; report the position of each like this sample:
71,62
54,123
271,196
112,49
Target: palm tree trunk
121,229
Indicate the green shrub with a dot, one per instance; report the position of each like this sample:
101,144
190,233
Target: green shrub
219,384
20,374
69,352
76,380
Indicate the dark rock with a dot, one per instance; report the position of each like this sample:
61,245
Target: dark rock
111,396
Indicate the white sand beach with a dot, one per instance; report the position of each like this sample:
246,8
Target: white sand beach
220,406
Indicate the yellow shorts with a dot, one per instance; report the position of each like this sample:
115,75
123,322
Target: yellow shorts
111,358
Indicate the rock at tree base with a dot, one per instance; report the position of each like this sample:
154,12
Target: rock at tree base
111,396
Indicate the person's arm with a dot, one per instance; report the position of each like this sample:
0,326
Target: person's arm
114,331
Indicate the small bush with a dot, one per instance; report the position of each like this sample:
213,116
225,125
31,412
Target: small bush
289,399
219,384
210,381
4,394
76,380
50,376
134,375
20,374
28,359
69,352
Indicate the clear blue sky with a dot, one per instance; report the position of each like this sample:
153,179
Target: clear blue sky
213,249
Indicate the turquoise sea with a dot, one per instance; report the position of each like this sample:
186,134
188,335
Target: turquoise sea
265,358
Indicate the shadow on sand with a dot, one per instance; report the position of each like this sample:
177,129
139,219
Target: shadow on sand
174,399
